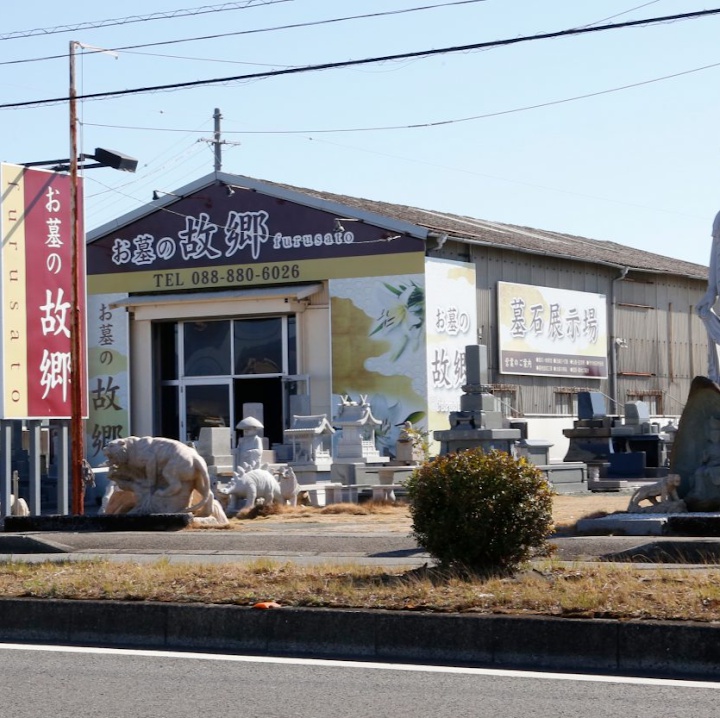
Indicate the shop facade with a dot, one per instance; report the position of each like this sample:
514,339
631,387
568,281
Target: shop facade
235,293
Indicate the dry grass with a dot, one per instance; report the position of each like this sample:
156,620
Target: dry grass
619,591
567,509
374,510
591,591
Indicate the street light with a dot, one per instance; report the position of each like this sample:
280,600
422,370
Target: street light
103,158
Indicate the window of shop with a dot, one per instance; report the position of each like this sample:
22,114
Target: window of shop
206,348
207,370
258,346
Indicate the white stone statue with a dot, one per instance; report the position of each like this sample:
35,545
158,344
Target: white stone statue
289,486
249,487
408,448
162,473
249,450
666,489
705,306
18,506
122,501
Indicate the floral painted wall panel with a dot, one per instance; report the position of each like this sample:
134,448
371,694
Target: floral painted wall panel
451,304
379,349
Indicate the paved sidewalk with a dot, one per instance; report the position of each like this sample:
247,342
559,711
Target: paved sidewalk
322,543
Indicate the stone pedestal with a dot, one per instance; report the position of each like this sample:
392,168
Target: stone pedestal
536,451
590,440
214,445
452,440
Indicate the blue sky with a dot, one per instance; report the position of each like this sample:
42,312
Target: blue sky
638,166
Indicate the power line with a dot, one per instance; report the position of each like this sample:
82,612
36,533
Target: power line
364,61
624,12
420,125
218,36
186,12
474,173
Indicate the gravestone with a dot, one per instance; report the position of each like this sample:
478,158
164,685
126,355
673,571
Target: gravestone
591,405
479,423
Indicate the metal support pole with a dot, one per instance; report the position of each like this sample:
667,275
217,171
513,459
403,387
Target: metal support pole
6,428
77,437
34,503
62,461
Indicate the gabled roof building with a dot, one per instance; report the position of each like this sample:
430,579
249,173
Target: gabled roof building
234,290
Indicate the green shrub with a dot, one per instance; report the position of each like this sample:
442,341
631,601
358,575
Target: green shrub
480,512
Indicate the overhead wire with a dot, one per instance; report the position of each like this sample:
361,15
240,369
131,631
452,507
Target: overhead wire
422,125
619,14
217,36
167,15
364,61
150,180
438,165
452,121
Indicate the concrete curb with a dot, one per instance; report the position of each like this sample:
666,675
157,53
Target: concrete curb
642,648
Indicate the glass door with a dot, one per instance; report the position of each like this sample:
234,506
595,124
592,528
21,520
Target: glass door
204,403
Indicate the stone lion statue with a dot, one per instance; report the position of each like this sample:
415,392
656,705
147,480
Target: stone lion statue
252,486
162,473
666,489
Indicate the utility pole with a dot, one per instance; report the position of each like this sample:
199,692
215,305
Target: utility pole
217,142
77,267
77,435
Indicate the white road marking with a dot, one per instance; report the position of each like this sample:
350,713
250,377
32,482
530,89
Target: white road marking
322,662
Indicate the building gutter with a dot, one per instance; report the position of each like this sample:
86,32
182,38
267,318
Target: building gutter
615,341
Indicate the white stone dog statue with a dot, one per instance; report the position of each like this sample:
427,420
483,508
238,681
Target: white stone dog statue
665,489
252,486
162,473
289,486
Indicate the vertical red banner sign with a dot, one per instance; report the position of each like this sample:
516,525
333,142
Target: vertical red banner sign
48,294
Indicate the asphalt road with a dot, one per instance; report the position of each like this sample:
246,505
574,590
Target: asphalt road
92,683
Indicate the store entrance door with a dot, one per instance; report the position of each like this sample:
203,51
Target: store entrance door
268,392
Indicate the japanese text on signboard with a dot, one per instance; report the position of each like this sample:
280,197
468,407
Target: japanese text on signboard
551,332
107,406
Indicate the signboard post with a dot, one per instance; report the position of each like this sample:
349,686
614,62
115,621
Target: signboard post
42,294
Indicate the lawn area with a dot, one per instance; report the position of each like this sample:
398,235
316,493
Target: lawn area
544,587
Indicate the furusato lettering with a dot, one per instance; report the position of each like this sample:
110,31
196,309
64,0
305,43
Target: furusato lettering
287,241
